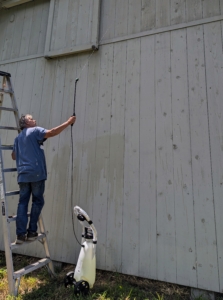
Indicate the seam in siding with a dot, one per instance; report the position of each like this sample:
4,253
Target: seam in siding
171,92
189,110
209,138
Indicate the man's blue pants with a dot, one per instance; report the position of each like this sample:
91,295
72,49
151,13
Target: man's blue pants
26,189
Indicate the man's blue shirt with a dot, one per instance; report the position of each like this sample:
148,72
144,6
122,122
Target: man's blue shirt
30,158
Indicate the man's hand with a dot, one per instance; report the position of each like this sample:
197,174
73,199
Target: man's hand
71,120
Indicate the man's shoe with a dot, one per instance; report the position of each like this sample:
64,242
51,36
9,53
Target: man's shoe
31,236
20,239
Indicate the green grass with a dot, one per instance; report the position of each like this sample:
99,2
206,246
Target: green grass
108,285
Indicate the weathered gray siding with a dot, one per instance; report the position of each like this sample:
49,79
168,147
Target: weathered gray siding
147,142
128,17
23,30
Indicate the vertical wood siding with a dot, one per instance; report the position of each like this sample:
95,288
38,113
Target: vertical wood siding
148,139
182,171
23,30
213,60
73,23
120,18
147,161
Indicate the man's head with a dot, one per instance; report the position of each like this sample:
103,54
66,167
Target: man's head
26,121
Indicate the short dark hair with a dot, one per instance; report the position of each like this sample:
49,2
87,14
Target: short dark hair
22,121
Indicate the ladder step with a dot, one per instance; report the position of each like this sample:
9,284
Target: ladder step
12,193
9,170
13,218
40,236
8,109
6,147
6,91
5,74
40,263
9,128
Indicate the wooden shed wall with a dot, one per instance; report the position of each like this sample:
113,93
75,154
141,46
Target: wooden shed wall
147,147
23,30
127,17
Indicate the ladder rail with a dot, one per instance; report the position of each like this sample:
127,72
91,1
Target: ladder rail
15,277
14,104
45,244
6,230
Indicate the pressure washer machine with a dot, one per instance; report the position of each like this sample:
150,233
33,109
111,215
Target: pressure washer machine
83,277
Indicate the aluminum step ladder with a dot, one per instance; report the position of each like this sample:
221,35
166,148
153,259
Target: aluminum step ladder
15,276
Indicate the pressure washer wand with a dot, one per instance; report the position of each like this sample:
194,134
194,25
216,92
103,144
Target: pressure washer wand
75,89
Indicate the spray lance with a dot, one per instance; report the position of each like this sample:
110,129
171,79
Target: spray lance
72,161
75,90
83,277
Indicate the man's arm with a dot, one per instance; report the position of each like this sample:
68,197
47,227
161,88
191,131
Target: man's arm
57,130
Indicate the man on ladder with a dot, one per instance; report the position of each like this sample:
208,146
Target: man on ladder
31,168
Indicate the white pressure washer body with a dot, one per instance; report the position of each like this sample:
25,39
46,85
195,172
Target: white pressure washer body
83,277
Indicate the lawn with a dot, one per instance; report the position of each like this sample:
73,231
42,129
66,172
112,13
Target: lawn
108,285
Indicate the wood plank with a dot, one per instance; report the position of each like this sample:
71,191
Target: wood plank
162,13
108,20
206,252
35,28
116,162
166,231
148,17
26,32
17,35
193,10
183,185
9,29
84,25
162,30
44,120
100,181
71,249
87,96
121,18
3,24
54,23
49,26
130,241
53,156
134,16
178,11
86,186
69,51
96,5
24,105
214,65
35,101
47,95
43,27
211,8
147,175
60,34
63,177
72,19
221,6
